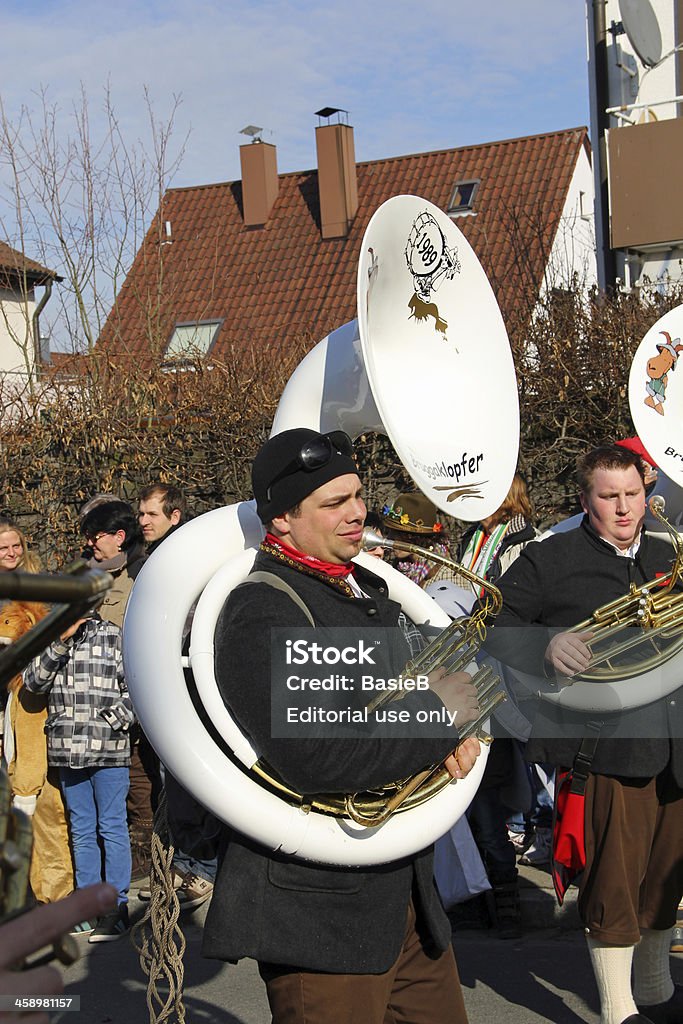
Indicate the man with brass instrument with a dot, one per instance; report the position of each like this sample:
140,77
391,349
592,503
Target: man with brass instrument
333,944
632,760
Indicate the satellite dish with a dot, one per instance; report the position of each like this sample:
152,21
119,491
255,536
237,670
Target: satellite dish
642,28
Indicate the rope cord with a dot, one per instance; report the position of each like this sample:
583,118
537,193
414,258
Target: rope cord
158,938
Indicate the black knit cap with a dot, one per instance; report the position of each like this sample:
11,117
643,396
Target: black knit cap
286,492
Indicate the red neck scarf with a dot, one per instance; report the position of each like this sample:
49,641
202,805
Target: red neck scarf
333,569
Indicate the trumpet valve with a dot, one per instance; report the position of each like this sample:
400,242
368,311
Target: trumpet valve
485,692
485,712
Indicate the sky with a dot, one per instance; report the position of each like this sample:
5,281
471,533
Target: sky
413,76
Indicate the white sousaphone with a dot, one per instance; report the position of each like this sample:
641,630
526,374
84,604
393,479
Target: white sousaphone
428,363
656,403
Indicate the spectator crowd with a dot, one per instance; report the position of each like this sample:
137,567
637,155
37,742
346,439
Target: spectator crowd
80,764
77,758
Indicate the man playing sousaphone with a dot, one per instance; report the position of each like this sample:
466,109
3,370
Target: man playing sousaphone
333,944
633,876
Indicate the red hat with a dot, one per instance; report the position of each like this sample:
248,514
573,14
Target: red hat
634,444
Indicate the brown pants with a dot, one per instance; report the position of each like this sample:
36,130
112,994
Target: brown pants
634,857
415,990
145,782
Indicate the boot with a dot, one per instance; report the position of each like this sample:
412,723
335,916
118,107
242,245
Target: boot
507,912
141,850
471,914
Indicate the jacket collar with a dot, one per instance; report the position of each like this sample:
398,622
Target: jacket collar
605,545
155,543
518,530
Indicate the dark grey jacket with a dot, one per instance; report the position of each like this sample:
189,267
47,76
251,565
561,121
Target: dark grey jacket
555,584
275,908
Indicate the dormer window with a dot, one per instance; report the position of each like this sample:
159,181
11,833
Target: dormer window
462,198
191,341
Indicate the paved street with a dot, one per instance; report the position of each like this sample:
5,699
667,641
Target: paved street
545,976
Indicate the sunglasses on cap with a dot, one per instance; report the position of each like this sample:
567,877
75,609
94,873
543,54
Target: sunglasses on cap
315,454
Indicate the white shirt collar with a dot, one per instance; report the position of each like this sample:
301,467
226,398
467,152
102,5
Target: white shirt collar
353,583
629,552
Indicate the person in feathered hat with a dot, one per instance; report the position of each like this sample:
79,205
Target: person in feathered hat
413,519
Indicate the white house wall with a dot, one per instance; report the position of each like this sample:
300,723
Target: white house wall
572,256
16,332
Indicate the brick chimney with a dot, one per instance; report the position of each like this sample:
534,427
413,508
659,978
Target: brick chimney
260,184
336,178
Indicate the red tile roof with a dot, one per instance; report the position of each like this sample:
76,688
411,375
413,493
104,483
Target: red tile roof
16,264
66,364
283,281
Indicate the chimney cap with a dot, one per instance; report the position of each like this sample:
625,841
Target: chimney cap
253,130
328,112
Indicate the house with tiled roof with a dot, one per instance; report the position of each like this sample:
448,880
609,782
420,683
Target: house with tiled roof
21,348
257,263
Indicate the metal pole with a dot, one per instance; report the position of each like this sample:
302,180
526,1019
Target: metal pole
597,56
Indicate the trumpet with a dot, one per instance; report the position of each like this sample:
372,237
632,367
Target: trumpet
651,616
